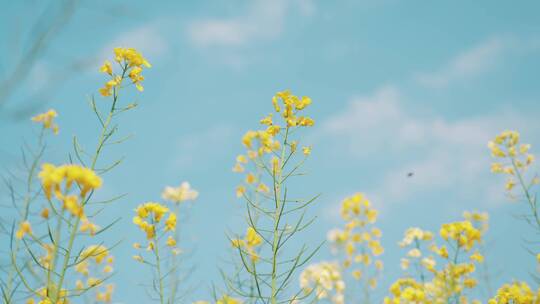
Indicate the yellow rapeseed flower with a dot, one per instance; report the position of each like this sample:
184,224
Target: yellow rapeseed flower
24,228
47,120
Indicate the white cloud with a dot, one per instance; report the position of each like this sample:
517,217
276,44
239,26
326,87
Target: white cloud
474,61
262,20
446,156
147,39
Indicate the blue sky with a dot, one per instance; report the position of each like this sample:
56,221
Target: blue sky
397,86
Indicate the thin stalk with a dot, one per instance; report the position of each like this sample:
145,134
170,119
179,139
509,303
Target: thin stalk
75,227
174,258
530,200
26,205
277,217
158,269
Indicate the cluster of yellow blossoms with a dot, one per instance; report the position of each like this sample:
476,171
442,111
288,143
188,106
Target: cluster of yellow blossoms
249,244
47,120
52,177
517,292
131,63
179,194
480,220
153,212
463,233
52,180
360,240
99,259
514,157
449,281
45,299
265,142
24,228
225,299
325,280
414,237
149,216
406,290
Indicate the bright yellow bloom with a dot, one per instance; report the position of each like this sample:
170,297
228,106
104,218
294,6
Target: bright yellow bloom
253,239
153,212
24,228
45,213
517,292
131,62
240,191
228,300
477,257
242,159
464,233
263,188
98,253
52,178
87,226
106,67
170,223
267,120
250,243
171,242
47,119
250,178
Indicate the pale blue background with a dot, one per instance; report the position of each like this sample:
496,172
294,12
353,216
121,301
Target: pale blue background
397,86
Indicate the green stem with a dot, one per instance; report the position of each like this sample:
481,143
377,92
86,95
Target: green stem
75,227
530,200
277,215
158,269
174,258
26,206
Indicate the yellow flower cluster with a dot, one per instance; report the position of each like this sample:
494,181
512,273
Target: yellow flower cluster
517,292
325,280
514,157
359,240
47,119
249,244
52,178
454,277
407,290
464,233
265,142
451,281
291,106
149,215
44,293
99,258
435,283
179,194
480,220
414,237
24,229
226,299
131,62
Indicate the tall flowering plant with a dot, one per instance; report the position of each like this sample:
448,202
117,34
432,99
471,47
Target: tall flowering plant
273,157
59,244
